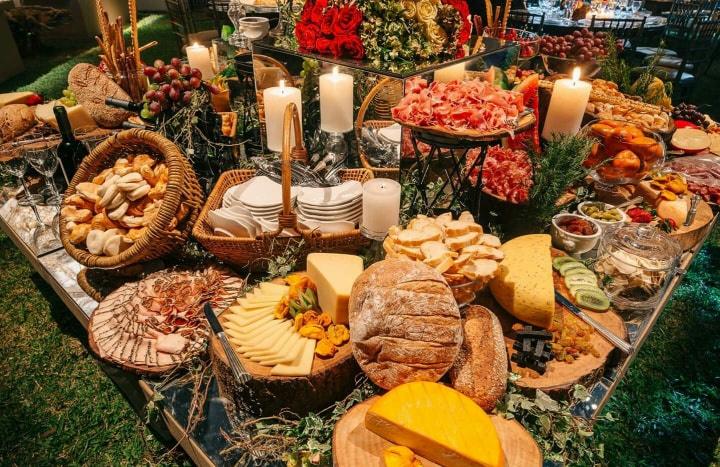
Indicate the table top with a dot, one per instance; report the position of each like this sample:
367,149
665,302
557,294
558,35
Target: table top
555,19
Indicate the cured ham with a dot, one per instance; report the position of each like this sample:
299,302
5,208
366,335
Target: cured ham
158,322
507,173
459,105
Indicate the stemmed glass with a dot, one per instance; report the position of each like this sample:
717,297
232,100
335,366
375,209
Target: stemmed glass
635,6
279,29
44,159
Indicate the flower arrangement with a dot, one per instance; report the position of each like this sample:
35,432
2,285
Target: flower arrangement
384,31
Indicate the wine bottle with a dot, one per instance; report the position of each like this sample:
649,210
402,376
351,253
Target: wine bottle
70,151
123,104
143,126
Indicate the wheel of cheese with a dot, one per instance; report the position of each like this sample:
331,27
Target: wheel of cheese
404,323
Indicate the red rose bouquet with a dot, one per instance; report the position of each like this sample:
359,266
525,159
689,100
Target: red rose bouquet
330,29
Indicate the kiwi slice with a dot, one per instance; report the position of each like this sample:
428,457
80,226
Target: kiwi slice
564,268
560,260
593,300
577,280
574,289
580,272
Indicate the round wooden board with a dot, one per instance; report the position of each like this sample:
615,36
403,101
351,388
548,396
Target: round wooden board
525,121
561,376
689,236
355,445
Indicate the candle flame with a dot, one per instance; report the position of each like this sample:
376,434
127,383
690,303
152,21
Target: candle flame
576,74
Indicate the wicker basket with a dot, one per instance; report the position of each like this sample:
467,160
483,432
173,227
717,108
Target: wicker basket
254,253
380,101
182,190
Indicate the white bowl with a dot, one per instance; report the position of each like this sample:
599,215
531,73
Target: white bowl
571,243
604,224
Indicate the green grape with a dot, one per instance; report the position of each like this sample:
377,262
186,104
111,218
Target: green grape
145,113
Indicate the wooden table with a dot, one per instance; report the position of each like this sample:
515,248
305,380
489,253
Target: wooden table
206,442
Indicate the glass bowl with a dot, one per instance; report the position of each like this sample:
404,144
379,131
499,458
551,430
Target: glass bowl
528,41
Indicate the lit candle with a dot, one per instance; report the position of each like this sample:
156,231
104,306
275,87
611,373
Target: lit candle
275,100
381,207
199,57
567,106
336,102
450,73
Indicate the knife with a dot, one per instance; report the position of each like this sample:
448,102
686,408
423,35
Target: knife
621,344
694,200
241,375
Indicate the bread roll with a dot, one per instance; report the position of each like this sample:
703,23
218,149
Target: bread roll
404,323
91,86
480,371
15,119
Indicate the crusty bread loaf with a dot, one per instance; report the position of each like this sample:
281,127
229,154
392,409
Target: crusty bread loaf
480,371
404,323
15,119
91,86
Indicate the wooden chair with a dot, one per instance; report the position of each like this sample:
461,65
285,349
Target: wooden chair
522,19
190,21
683,13
629,30
219,9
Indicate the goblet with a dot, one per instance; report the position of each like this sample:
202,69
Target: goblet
44,159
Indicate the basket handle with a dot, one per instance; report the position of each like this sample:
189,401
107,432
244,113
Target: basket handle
291,121
366,105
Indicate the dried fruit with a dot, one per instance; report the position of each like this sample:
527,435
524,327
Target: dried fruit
312,331
324,320
338,334
298,322
325,348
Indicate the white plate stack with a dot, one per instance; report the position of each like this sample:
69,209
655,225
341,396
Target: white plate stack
332,209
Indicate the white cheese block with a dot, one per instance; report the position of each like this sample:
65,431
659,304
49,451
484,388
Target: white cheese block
283,349
79,116
264,351
19,97
302,366
289,357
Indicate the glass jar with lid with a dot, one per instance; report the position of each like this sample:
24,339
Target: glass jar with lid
635,263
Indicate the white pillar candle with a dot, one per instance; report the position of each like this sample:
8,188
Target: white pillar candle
275,100
336,102
567,106
381,207
199,57
450,73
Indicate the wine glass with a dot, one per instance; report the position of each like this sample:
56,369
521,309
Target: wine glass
279,30
44,159
635,6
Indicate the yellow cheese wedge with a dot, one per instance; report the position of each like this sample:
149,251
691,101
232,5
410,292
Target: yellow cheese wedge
288,357
302,366
78,116
270,288
334,275
270,349
524,281
438,423
19,97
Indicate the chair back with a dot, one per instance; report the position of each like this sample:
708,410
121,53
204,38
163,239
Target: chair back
191,21
629,30
219,9
522,19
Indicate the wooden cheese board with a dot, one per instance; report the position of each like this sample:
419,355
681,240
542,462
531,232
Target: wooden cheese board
355,445
689,236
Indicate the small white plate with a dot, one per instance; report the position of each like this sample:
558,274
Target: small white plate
328,212
268,226
238,226
231,195
326,216
329,196
261,192
392,133
326,227
222,232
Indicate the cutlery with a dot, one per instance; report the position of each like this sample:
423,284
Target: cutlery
694,200
621,344
241,375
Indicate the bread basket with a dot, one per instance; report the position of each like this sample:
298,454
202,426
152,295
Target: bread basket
379,101
180,207
254,252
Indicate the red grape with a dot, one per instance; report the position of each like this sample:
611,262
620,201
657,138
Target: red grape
159,96
214,89
196,73
185,70
150,95
158,78
174,95
187,97
158,63
154,107
195,82
149,71
176,62
176,84
173,73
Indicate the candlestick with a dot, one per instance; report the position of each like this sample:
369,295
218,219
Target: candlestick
199,57
336,102
381,207
567,106
450,73
275,100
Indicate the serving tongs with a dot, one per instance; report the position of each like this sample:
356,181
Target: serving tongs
609,336
239,372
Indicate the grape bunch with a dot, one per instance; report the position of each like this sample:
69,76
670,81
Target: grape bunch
689,113
172,86
68,99
583,45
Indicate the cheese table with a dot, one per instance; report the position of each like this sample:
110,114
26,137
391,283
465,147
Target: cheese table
206,443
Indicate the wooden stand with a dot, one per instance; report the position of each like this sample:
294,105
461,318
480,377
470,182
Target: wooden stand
355,445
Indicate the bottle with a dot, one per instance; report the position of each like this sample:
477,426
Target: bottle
123,104
70,151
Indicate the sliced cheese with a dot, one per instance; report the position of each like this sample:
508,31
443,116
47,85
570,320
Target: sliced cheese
245,328
523,284
271,292
19,97
288,357
301,366
254,332
438,423
240,309
261,336
284,349
78,115
270,349
270,288
245,318
334,275
250,305
244,338
267,337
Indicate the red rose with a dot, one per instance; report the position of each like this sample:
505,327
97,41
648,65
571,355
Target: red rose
327,46
318,10
348,19
350,46
462,7
328,21
307,35
306,12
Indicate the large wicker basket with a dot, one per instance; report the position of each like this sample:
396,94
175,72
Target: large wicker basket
254,253
379,103
183,191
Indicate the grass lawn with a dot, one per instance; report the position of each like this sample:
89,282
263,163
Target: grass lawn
58,407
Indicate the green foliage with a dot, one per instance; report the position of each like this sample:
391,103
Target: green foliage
562,438
285,261
614,68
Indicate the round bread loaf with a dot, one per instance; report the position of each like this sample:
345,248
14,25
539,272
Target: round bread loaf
91,86
15,119
404,323
480,371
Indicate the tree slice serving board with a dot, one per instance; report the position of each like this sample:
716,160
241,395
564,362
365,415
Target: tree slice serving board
354,445
689,236
561,376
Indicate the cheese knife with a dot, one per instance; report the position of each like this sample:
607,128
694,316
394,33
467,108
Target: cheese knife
241,375
610,336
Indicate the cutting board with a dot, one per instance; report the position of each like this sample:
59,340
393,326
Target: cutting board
354,445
